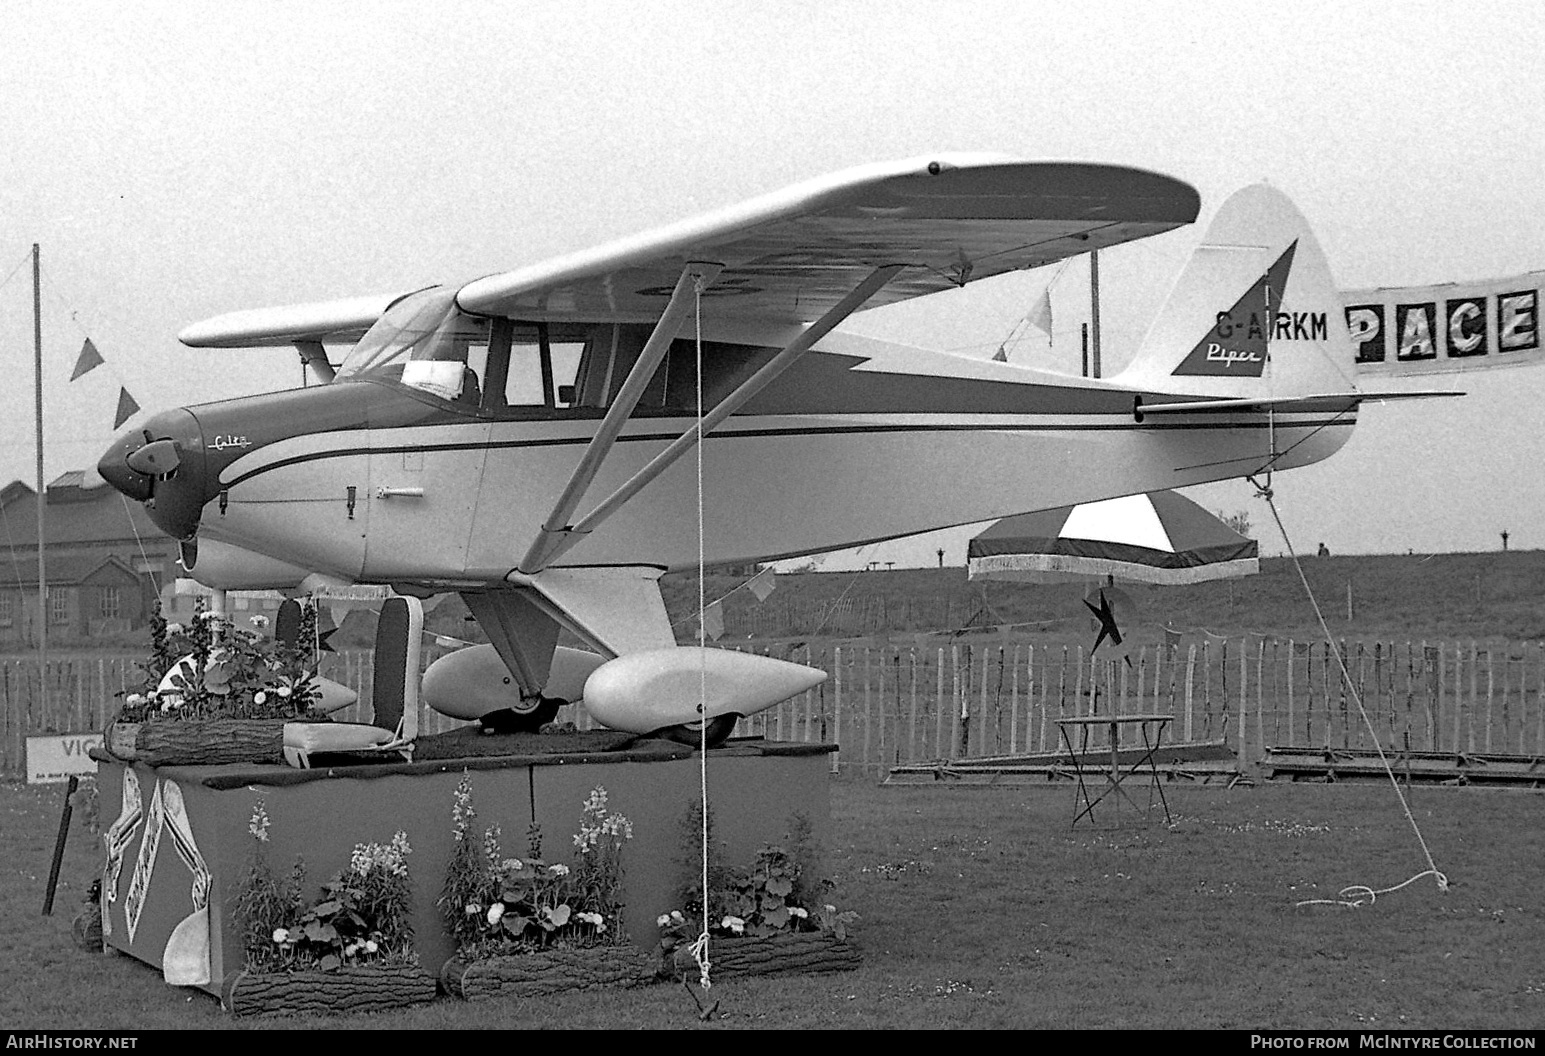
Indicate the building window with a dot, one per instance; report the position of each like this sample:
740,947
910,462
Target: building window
58,605
109,600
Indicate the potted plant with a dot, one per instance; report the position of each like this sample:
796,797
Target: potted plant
349,949
766,919
214,693
526,926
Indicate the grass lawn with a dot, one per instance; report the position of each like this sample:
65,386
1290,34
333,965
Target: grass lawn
981,908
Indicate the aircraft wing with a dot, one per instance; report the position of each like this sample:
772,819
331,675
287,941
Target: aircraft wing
791,255
323,321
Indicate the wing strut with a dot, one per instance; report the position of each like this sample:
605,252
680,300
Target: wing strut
561,541
313,355
549,541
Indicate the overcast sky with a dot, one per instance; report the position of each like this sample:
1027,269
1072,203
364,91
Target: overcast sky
181,160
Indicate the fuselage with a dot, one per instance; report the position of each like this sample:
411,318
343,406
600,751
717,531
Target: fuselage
372,480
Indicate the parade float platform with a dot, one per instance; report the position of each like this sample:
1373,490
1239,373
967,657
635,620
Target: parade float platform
192,824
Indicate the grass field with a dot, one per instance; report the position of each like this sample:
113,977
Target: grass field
981,908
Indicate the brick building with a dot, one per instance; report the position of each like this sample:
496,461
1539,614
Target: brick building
105,564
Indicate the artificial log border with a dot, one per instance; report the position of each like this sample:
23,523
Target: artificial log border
792,953
184,742
547,972
351,988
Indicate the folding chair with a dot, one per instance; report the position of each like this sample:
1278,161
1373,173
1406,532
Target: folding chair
394,696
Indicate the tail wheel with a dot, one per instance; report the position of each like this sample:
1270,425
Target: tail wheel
692,733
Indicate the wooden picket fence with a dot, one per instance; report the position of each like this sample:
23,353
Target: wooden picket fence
973,697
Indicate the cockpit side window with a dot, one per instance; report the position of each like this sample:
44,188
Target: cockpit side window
506,368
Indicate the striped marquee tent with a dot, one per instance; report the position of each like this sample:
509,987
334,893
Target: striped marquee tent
1162,538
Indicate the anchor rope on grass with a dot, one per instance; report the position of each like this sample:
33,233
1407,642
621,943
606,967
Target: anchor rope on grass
1356,894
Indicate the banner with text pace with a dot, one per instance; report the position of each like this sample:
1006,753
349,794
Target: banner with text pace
1448,328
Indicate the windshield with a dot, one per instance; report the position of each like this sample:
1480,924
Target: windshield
424,342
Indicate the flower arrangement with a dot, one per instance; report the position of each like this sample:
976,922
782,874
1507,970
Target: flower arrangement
213,669
495,905
777,895
360,918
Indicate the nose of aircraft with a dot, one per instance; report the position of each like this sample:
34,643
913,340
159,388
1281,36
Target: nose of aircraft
162,466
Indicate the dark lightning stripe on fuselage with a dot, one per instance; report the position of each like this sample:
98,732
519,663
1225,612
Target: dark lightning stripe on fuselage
799,431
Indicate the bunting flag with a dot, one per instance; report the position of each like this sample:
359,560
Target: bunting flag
763,584
713,621
1040,315
127,408
1001,356
323,643
89,358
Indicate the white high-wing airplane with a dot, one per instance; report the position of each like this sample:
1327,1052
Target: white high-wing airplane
519,439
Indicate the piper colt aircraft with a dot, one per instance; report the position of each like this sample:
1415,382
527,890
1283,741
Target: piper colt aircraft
520,438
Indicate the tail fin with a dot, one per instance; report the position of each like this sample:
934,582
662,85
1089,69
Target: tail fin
1254,313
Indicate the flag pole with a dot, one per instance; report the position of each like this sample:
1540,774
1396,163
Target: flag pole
1094,310
37,366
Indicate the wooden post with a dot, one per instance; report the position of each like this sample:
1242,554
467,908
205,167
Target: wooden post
1475,663
1244,700
1437,733
938,714
1014,703
1260,698
912,706
1291,651
868,713
981,726
1491,679
1207,687
1190,673
1062,684
954,702
1045,682
836,704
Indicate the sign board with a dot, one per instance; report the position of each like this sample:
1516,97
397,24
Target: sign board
1447,328
55,756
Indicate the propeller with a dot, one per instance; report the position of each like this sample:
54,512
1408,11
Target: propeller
155,459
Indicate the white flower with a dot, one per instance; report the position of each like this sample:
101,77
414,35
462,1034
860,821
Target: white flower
514,865
281,935
260,697
734,924
209,615
134,700
370,946
283,691
558,870
473,909
259,620
495,911
174,628
796,911
663,920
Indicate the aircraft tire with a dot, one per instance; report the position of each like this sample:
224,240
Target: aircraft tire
691,733
509,720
